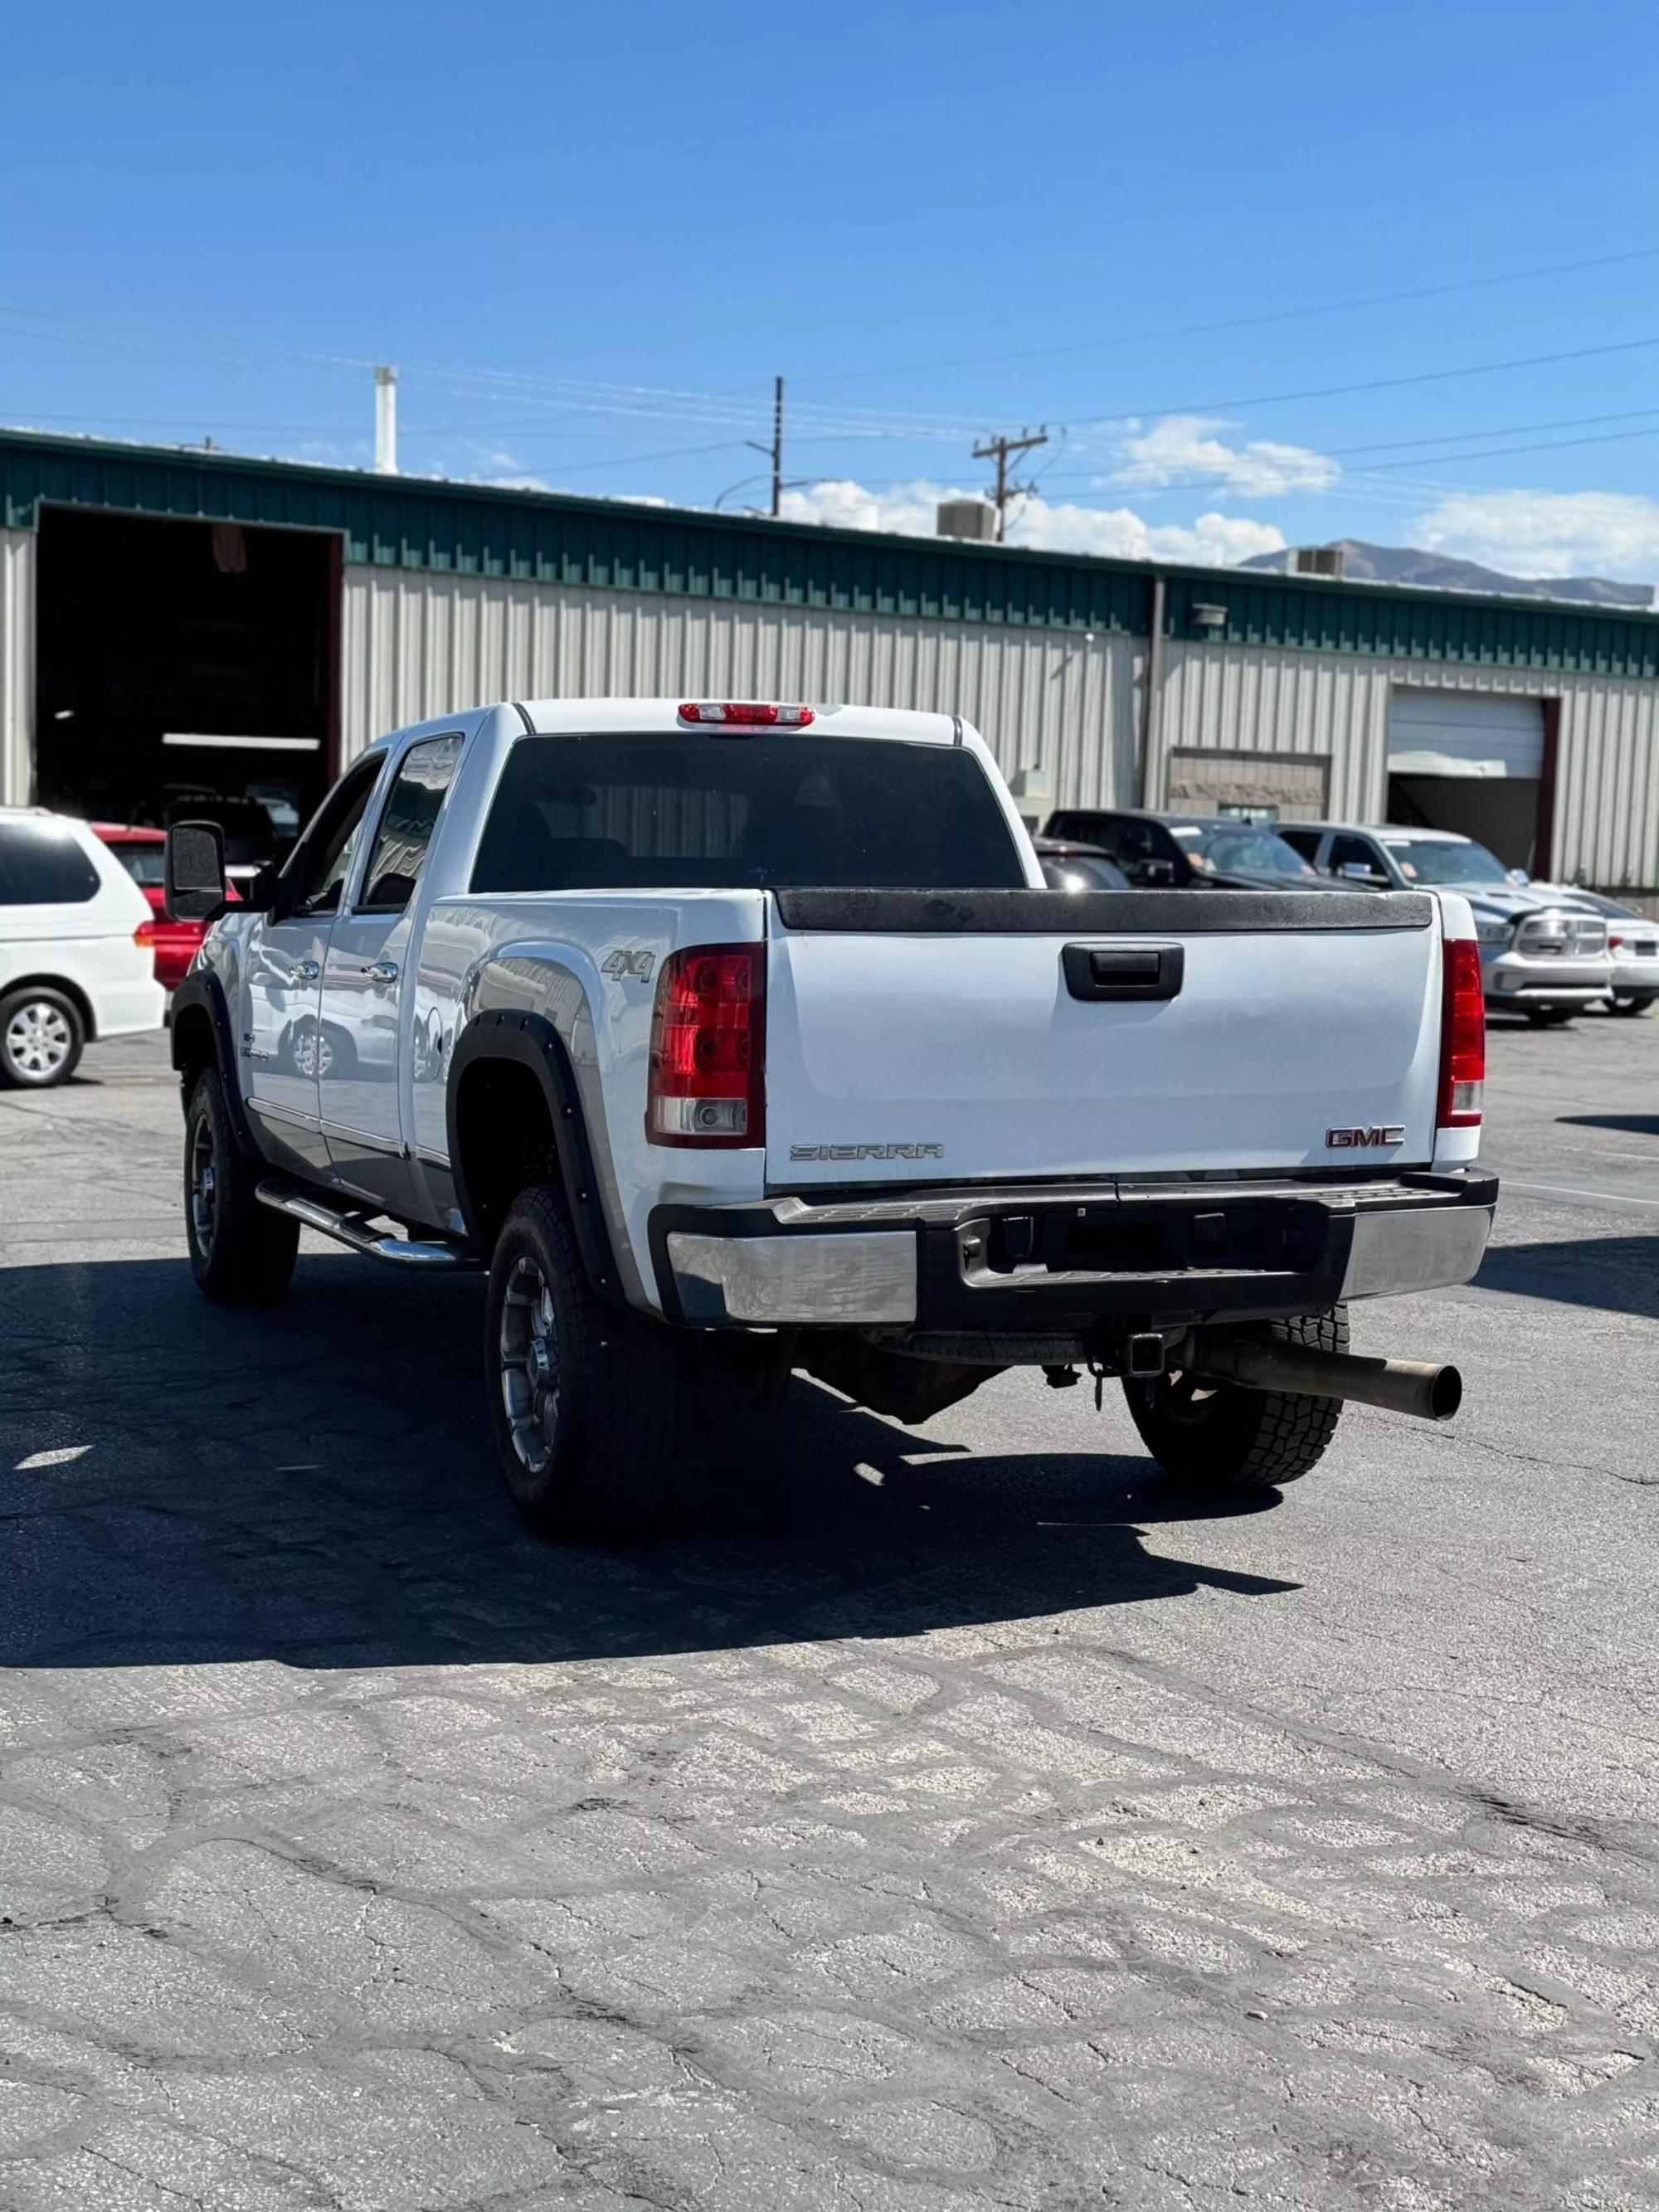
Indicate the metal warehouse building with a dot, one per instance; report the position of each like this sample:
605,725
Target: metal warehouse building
178,627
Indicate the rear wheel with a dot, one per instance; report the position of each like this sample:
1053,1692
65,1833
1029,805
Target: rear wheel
241,1253
588,1404
41,1037
1630,1005
1222,1437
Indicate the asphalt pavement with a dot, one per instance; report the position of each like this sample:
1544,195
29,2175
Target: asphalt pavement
949,1821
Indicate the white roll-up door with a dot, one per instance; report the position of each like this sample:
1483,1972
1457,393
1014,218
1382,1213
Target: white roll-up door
1464,734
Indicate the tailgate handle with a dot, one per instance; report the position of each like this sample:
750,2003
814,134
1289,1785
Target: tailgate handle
1112,971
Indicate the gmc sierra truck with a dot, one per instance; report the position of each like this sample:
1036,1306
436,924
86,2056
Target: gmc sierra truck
744,1036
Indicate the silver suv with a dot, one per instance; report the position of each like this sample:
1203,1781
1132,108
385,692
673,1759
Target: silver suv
1542,955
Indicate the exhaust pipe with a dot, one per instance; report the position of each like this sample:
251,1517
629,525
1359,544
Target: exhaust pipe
1417,1387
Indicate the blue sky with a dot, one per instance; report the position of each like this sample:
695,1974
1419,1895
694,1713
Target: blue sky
589,238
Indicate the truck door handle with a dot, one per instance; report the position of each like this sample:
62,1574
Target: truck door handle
304,971
1124,971
381,971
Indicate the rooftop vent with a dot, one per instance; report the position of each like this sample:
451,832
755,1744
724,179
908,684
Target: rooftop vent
967,518
1316,561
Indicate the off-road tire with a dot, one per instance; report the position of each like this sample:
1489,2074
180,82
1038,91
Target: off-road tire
1629,1006
619,1386
241,1253
51,1037
1229,1439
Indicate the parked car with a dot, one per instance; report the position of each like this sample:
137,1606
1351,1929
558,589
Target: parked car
78,958
1542,955
142,853
748,1037
1067,866
1633,946
1189,852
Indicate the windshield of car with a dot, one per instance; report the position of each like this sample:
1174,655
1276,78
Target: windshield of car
1245,851
1430,861
683,809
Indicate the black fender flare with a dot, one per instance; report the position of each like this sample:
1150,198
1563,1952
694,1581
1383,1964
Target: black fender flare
531,1041
202,989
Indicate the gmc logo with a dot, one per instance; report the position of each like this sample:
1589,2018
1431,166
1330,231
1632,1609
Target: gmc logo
1354,1141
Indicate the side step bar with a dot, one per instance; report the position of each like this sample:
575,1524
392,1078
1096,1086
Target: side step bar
353,1230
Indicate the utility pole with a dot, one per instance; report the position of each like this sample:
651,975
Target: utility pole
777,444
1002,450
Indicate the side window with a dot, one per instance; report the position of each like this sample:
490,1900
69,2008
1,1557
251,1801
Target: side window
322,859
1354,852
409,817
1305,842
1130,841
41,864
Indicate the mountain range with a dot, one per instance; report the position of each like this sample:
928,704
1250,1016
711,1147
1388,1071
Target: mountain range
1408,564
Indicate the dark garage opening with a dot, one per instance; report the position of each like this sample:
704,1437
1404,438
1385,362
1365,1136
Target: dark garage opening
185,669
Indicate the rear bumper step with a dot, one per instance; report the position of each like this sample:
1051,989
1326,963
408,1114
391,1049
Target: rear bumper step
1038,1260
353,1230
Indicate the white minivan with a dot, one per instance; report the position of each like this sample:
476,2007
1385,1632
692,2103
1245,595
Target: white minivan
77,957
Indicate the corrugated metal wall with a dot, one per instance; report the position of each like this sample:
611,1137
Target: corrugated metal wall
415,646
1277,699
16,667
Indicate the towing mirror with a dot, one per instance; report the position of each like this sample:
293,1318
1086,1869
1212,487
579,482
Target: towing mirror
195,872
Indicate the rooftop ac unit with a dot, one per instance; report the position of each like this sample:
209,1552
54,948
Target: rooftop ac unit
1316,561
967,518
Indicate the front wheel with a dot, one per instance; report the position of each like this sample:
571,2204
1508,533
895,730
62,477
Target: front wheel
41,1037
588,1404
241,1253
1221,1437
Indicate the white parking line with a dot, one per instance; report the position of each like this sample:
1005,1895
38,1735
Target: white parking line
1568,1190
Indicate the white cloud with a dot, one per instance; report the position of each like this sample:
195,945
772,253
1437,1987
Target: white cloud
1059,527
1182,447
1548,533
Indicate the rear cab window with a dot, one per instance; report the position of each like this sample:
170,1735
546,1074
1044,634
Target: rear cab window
771,810
42,864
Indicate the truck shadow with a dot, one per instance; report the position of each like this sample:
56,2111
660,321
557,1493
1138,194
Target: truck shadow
1618,1273
315,1486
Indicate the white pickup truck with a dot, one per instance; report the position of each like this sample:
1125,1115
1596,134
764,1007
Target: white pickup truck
747,1035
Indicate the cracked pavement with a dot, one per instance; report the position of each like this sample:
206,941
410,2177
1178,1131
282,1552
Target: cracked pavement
948,1820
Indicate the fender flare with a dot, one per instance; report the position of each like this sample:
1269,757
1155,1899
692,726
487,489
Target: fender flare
531,1041
203,989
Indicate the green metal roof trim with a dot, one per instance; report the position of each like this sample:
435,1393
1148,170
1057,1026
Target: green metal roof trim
475,529
610,545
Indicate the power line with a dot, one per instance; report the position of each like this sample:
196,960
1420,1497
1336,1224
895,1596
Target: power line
1002,450
1236,323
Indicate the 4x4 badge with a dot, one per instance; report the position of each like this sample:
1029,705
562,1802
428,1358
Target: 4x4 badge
620,965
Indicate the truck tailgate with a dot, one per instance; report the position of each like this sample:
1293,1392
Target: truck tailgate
926,1036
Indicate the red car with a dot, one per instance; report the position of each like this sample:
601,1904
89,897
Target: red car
140,852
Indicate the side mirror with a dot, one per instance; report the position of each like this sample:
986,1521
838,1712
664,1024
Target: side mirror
1155,875
1356,872
194,872
1519,876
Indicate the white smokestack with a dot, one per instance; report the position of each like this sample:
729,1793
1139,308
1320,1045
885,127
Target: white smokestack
386,421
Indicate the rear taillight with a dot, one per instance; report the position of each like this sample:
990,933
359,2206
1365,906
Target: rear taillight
1614,942
708,1081
1462,1035
755,712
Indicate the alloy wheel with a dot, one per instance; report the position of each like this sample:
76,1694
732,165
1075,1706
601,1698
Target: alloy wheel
39,1040
530,1367
203,1186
